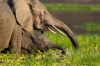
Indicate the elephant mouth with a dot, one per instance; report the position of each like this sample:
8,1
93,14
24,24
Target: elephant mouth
55,29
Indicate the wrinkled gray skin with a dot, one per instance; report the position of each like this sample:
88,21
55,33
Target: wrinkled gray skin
10,31
32,14
47,20
33,42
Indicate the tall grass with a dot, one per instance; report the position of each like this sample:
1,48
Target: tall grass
89,7
88,53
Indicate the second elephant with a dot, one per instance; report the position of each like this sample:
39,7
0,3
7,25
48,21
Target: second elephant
33,42
32,14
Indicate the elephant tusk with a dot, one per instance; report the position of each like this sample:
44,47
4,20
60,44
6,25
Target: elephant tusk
59,30
52,31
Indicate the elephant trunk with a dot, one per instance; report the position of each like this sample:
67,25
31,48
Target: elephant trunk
57,47
64,29
70,34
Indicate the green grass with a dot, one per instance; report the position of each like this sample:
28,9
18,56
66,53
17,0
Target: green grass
90,26
89,7
88,53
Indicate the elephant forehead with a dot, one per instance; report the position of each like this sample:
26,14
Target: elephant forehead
38,6
42,38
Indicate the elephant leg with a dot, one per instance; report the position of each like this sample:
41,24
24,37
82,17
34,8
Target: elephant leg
16,39
25,51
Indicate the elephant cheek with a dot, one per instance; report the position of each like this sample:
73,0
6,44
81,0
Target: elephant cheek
28,26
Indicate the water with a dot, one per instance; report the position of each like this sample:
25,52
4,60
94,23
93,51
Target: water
78,18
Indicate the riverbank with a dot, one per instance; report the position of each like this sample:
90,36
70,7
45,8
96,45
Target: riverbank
60,6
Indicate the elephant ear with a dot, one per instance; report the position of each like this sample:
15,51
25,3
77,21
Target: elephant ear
23,14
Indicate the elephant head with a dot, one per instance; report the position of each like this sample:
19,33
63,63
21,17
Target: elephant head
33,42
44,20
32,14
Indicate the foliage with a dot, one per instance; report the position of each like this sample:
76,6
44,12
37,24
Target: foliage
88,53
88,7
90,26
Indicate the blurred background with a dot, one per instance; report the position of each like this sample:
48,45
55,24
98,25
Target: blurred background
72,1
81,16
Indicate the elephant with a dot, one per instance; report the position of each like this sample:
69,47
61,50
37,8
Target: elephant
10,31
32,42
32,14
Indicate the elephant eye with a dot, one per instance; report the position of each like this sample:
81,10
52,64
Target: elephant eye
44,12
